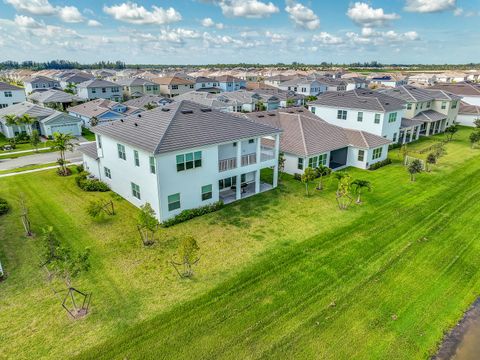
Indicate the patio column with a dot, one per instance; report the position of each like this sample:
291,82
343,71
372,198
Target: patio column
239,154
257,181
238,189
259,150
276,154
427,132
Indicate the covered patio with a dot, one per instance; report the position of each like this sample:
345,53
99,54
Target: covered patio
433,122
249,184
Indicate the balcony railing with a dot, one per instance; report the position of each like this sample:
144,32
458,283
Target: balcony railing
227,164
249,159
267,154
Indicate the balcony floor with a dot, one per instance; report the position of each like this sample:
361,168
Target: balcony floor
229,196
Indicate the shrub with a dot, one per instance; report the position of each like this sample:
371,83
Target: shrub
4,207
192,213
80,168
87,184
380,164
297,176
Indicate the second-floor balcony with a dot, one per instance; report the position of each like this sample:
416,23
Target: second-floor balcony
227,164
249,159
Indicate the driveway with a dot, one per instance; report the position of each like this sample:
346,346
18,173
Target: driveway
36,159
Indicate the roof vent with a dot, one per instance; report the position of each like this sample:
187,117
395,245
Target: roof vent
121,120
272,114
136,124
165,109
387,103
187,111
260,116
139,115
300,110
206,110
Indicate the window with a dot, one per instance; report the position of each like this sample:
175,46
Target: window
94,91
377,119
429,104
315,161
454,105
153,167
121,152
300,164
191,86
174,202
361,155
312,109
409,106
189,161
135,190
394,136
444,105
342,114
174,87
360,116
392,117
377,153
136,158
99,141
206,192
104,90
8,94
108,173
115,90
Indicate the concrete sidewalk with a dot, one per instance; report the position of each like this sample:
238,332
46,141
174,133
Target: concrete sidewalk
33,150
38,159
37,170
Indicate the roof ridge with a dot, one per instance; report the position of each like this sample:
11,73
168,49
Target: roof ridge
363,137
303,134
414,98
169,124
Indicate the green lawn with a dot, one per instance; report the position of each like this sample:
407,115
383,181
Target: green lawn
281,275
27,167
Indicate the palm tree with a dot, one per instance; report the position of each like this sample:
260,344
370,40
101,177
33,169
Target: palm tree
322,171
359,185
414,168
63,143
25,119
11,119
149,106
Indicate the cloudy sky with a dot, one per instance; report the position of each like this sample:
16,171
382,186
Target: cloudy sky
232,31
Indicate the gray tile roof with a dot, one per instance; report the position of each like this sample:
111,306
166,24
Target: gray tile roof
463,88
305,134
141,101
362,99
53,96
98,107
180,126
89,149
429,116
413,94
96,83
6,86
36,111
134,82
406,123
468,109
279,93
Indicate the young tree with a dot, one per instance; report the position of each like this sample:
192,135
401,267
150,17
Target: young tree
63,143
35,139
281,164
474,138
93,121
403,152
359,186
25,216
440,151
147,224
71,88
290,102
431,160
322,171
149,106
307,177
476,122
415,167
451,131
97,208
343,191
188,255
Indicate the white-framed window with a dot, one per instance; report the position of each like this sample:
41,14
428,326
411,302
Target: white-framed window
392,117
300,164
135,190
189,160
360,116
394,137
377,119
315,161
377,153
104,90
175,87
7,94
174,202
454,104
444,105
153,167
342,114
361,155
206,192
136,158
409,106
312,109
94,91
121,152
107,172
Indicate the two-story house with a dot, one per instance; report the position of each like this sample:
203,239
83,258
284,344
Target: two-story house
54,98
46,121
361,109
10,95
308,141
69,81
100,111
277,80
389,81
433,110
229,83
182,156
304,86
207,85
172,86
99,89
40,83
136,87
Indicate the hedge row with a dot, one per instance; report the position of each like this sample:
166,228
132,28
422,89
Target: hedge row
380,164
87,184
4,207
192,213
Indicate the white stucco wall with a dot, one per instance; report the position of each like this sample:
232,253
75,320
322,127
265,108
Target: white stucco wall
18,96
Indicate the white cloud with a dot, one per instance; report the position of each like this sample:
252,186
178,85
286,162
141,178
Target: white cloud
275,37
33,7
134,14
302,15
94,23
70,14
253,9
369,36
429,6
327,39
27,22
208,22
364,15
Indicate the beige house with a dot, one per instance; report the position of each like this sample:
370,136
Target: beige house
173,86
136,87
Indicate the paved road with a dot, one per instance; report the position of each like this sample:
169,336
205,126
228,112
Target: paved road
34,170
49,157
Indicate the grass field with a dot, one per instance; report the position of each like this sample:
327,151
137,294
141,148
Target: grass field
281,275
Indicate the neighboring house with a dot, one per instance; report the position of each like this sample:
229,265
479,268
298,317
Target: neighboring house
101,111
388,81
355,83
309,141
40,83
70,81
145,101
174,86
451,77
47,121
238,101
467,114
10,95
434,109
422,79
470,93
278,80
230,83
54,98
182,156
364,109
99,89
304,86
285,98
136,87
207,84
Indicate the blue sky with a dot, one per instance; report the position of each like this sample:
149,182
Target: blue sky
232,31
